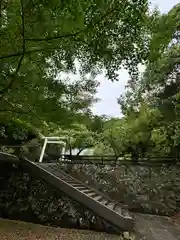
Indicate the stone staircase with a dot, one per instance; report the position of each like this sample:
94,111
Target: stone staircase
109,210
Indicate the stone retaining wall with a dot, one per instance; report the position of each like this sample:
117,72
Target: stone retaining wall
154,190
23,197
149,190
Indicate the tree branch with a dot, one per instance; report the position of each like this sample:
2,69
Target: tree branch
19,111
13,111
80,150
20,53
3,91
29,52
23,37
55,37
89,26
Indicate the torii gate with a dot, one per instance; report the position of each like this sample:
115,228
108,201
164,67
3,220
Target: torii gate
55,140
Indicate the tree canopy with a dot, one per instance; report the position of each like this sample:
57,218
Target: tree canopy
41,40
150,126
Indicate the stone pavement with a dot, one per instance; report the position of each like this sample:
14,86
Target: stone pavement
152,227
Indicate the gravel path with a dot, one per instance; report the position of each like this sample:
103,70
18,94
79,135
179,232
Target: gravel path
16,230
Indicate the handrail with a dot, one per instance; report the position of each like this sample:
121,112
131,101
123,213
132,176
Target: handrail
88,160
111,160
6,157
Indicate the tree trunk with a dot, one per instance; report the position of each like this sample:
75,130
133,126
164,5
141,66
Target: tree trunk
80,150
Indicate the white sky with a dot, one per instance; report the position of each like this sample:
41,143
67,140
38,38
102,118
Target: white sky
108,92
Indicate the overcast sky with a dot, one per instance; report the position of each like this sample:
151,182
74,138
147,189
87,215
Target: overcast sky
108,91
